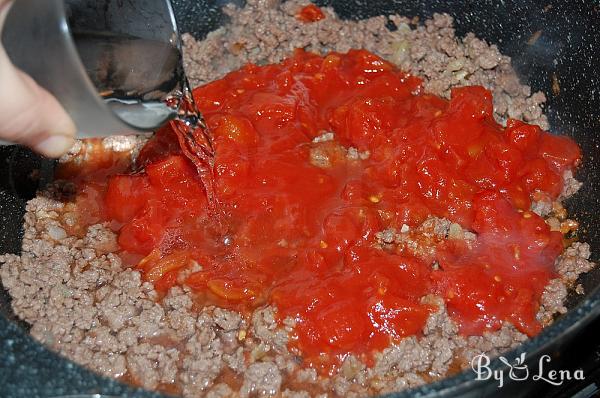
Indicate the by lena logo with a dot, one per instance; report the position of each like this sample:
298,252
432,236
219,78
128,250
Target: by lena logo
519,371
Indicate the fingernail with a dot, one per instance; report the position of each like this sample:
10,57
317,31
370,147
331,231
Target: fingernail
55,145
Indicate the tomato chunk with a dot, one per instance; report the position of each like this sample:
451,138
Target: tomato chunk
310,13
126,196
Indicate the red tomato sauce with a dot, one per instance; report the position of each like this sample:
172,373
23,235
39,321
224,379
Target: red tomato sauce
310,13
302,237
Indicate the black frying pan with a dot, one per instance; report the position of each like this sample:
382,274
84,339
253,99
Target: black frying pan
569,48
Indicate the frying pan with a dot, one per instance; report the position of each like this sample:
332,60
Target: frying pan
566,51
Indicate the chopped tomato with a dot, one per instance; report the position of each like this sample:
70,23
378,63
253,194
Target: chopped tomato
310,13
166,282
397,317
126,196
145,231
313,158
163,143
559,151
522,135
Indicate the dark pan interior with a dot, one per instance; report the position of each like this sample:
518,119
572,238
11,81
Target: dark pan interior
566,49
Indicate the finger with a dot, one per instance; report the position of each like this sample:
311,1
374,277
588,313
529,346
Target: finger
29,114
3,5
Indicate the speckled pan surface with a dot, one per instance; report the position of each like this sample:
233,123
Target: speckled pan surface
566,52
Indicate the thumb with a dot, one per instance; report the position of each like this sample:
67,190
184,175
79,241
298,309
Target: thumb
29,114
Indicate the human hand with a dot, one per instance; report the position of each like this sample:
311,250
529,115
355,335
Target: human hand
29,114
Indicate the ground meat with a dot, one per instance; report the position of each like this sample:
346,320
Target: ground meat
83,302
295,394
150,365
574,262
131,144
227,320
262,379
355,154
571,185
553,300
268,330
541,204
327,136
435,226
422,241
492,344
325,152
408,355
221,390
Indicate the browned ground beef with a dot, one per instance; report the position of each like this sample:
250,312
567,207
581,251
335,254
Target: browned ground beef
83,303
